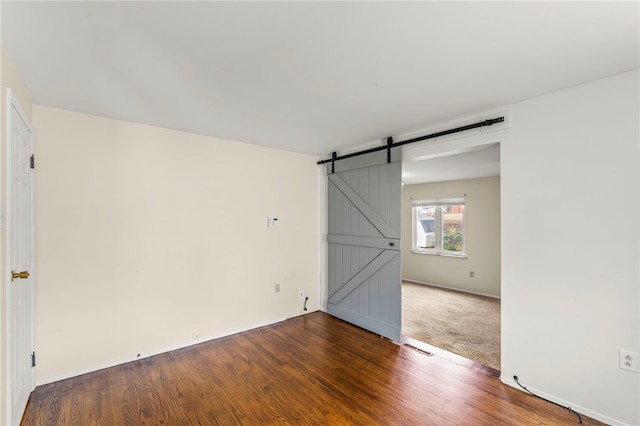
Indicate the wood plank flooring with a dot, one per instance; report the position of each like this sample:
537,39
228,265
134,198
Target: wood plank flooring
312,369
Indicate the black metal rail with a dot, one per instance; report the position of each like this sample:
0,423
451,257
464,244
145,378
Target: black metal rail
390,144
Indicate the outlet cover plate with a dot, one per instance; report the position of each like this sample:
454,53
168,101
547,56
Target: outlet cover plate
628,360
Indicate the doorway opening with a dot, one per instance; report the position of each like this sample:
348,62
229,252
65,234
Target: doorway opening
451,293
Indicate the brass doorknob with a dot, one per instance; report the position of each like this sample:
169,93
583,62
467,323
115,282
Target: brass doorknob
24,275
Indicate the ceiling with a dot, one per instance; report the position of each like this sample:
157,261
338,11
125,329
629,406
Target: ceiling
310,77
477,163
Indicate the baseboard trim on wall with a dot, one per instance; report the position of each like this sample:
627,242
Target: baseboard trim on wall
575,407
493,296
80,372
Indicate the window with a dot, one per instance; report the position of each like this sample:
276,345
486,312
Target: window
438,227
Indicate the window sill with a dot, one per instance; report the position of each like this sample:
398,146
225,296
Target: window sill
457,256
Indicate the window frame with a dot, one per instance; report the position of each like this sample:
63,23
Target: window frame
438,204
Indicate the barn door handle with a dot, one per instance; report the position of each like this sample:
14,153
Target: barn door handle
391,244
23,275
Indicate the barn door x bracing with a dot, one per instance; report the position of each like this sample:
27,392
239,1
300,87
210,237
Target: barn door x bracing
364,242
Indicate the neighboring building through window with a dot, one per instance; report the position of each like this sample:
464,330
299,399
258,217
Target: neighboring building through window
438,226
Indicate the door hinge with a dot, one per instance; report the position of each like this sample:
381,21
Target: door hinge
33,359
33,161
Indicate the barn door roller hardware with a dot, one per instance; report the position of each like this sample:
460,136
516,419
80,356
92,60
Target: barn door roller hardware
391,144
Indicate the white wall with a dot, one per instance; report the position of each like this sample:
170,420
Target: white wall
147,237
570,279
9,79
482,237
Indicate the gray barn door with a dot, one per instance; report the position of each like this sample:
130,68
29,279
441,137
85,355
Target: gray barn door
364,242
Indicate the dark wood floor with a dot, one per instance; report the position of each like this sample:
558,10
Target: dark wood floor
312,369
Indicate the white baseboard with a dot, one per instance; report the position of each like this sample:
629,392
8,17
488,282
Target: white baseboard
303,313
451,288
114,363
575,407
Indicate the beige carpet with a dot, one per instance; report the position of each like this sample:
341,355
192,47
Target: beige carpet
462,323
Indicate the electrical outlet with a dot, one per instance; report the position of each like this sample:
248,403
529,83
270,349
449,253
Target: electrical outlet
472,274
628,360
300,294
277,287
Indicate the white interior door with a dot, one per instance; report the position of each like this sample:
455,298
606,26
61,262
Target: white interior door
364,277
19,260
